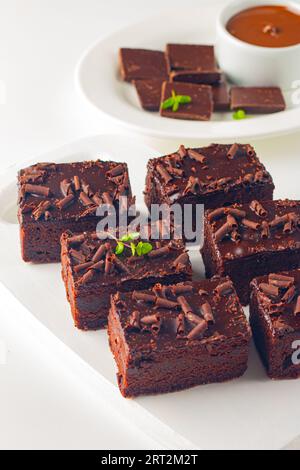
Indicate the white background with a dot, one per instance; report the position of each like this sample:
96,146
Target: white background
41,404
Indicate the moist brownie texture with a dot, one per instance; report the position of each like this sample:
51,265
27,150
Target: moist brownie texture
257,100
171,338
215,176
54,198
142,64
200,107
275,321
92,272
249,240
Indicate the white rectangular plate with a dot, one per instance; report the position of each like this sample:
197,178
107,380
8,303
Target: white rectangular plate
249,413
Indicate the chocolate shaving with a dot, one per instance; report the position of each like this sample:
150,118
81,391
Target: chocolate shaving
250,150
297,307
100,253
207,313
97,200
186,308
87,189
216,214
77,184
116,171
86,201
265,232
37,190
222,232
279,221
279,283
198,331
196,156
182,261
182,289
202,292
289,295
165,303
66,187
269,289
120,265
182,151
258,209
76,239
224,289
235,236
77,256
41,209
98,266
108,199
34,177
281,277
193,318
193,186
159,252
87,277
288,227
67,201
232,221
108,263
83,266
143,297
180,325
232,151
251,224
164,174
150,319
27,208
134,321
237,213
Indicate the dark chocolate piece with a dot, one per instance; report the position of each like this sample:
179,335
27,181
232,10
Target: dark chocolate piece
199,109
275,323
142,64
255,100
205,342
263,247
149,93
221,97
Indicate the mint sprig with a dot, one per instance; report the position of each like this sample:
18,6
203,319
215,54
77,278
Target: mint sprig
175,101
139,249
239,115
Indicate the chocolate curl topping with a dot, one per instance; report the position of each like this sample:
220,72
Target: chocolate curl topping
66,201
76,239
279,221
216,214
193,186
120,265
232,222
164,174
297,308
250,150
37,190
165,303
281,277
196,156
288,227
41,209
182,261
202,292
108,263
265,232
34,177
180,325
160,252
233,151
207,313
83,266
282,284
195,319
186,308
150,319
98,266
87,277
86,189
116,171
134,320
66,187
289,295
77,184
77,256
182,151
269,289
85,200
97,200
100,253
198,331
251,224
223,232
107,198
235,236
224,289
257,207
237,213
143,297
182,289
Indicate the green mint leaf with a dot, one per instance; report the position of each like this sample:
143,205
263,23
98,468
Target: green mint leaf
133,249
175,105
139,249
146,248
134,235
183,99
168,103
239,114
125,238
119,248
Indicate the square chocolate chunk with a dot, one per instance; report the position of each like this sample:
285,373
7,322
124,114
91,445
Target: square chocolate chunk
255,100
149,93
54,198
199,109
192,63
171,338
92,272
245,241
275,321
142,64
215,176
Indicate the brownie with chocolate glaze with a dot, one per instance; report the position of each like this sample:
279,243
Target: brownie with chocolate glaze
92,271
275,321
170,338
215,176
54,198
142,64
245,241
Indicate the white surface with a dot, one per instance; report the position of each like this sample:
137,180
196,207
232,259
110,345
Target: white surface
98,80
40,43
236,415
269,66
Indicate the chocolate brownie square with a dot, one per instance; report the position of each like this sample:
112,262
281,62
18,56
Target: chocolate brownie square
245,241
149,93
93,270
199,108
54,198
257,100
215,176
275,321
171,338
142,64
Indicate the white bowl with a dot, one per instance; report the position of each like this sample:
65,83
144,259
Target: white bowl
249,65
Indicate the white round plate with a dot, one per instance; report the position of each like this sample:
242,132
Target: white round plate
98,79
